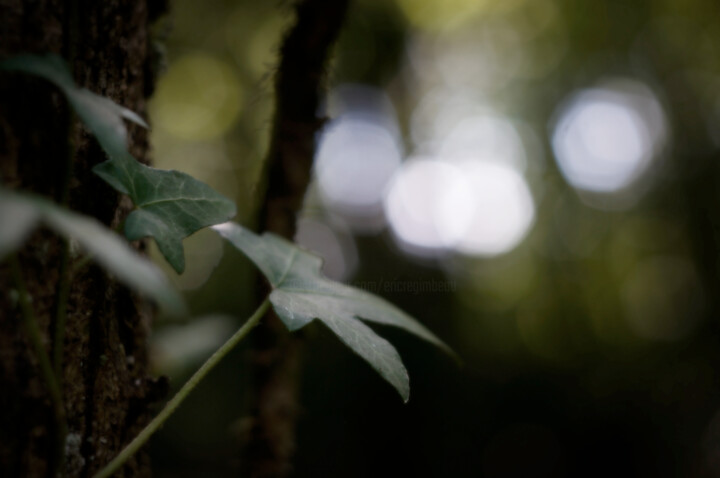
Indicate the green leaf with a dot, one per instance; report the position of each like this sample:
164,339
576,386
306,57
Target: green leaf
20,213
18,218
301,294
103,117
50,66
170,205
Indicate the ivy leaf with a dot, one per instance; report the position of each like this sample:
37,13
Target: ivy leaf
170,205
21,213
301,294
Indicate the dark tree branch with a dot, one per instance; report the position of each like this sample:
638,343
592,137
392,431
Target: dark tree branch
299,89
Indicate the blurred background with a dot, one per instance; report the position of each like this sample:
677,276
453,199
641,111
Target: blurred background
534,180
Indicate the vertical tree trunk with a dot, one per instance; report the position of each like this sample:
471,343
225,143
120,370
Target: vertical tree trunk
105,384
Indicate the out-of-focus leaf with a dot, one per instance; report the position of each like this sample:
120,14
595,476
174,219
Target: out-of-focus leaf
301,294
101,115
20,213
171,205
18,218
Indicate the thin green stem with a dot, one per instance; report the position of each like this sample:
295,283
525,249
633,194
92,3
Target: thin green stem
33,330
175,402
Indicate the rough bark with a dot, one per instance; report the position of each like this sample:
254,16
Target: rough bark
299,90
106,386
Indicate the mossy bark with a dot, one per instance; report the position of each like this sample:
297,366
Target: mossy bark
106,385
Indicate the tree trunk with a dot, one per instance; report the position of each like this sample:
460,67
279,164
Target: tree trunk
106,389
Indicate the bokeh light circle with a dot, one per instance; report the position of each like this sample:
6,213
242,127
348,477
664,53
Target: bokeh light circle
606,137
355,160
199,98
417,199
480,208
502,209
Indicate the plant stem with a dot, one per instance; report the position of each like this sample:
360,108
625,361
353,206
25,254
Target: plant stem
33,331
175,402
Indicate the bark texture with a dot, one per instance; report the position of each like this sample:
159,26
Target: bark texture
106,386
299,91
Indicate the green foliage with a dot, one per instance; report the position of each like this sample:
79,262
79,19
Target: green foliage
170,205
27,212
101,115
301,294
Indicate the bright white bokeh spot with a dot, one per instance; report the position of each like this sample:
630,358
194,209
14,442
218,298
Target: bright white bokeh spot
355,161
473,207
606,138
418,198
501,205
358,154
